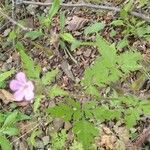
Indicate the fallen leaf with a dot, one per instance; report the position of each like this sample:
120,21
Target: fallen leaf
76,23
67,70
6,96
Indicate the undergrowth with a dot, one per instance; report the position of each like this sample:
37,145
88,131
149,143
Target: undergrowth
109,66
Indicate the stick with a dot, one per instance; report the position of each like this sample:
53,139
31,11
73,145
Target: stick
142,137
85,5
14,22
13,17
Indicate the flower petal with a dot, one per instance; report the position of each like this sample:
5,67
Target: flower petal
21,77
15,85
30,85
19,95
29,94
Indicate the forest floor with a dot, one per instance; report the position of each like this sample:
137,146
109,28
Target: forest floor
42,131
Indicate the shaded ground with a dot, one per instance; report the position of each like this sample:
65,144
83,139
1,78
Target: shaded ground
48,53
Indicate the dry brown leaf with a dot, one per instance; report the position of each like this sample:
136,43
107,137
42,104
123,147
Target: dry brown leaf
76,23
6,96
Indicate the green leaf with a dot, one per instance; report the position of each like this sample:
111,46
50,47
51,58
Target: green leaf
33,136
4,143
11,119
85,132
68,111
49,76
68,37
146,108
12,35
58,140
103,113
11,131
61,111
129,5
117,23
128,61
62,21
57,91
37,101
53,10
94,28
33,35
2,118
88,108
141,31
75,44
32,70
123,43
131,117
5,75
92,90
107,51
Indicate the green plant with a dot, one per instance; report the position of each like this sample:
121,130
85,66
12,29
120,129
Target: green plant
76,146
8,127
4,76
126,109
46,21
132,27
110,66
43,83
58,140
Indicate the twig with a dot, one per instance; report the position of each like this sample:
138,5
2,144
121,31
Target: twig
13,17
85,5
14,22
142,137
4,25
36,126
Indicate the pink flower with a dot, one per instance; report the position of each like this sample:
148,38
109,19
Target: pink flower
23,89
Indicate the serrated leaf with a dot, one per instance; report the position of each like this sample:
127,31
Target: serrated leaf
57,91
146,108
88,108
128,61
33,35
85,132
49,76
131,117
128,6
92,90
61,111
37,101
5,75
4,143
103,113
32,70
107,51
94,28
68,111
62,21
33,136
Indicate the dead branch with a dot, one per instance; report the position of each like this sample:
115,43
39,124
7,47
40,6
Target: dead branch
85,5
142,137
14,22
